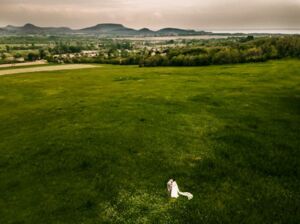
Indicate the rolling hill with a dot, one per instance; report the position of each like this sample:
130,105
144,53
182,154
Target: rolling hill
32,29
105,29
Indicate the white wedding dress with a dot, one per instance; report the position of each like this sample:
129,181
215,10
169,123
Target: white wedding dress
175,192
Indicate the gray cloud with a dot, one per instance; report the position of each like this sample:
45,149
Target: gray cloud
220,14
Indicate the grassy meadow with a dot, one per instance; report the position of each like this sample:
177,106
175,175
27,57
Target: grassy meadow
98,145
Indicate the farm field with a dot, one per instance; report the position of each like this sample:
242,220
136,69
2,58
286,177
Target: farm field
98,145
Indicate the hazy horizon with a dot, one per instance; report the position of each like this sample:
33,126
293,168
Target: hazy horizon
155,14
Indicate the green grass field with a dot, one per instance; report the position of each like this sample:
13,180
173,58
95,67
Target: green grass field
98,145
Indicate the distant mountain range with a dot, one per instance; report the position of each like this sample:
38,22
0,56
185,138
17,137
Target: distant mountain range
106,30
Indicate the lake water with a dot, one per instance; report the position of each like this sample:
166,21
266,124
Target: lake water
207,37
269,31
201,37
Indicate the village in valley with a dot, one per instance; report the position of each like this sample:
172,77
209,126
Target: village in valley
64,50
182,51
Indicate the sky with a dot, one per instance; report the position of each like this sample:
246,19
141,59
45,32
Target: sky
154,14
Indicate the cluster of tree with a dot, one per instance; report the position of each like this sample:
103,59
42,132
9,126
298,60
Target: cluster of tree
9,48
65,49
250,50
33,56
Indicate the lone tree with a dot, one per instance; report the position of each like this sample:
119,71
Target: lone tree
42,53
7,48
32,56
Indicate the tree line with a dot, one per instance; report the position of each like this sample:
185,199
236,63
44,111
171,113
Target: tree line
243,50
251,50
189,53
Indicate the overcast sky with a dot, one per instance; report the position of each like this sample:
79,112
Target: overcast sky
196,14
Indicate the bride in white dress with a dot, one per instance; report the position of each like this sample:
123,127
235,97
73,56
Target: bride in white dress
174,191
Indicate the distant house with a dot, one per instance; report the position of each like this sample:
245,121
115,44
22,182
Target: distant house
90,53
9,58
21,59
72,55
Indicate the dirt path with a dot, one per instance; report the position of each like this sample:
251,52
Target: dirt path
45,68
40,62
